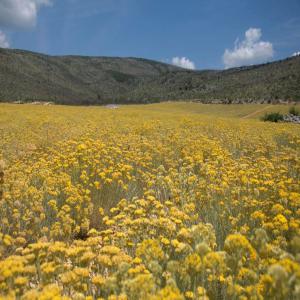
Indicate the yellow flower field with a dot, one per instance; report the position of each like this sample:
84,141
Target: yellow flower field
164,201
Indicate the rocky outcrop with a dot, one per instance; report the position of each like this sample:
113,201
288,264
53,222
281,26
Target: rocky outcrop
291,118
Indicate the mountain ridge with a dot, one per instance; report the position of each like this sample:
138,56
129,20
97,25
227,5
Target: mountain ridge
74,79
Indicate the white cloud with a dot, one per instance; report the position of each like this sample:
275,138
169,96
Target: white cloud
252,50
3,40
20,13
296,53
183,62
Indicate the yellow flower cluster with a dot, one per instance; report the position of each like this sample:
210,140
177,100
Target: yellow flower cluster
141,204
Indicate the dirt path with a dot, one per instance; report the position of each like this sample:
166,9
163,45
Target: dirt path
256,112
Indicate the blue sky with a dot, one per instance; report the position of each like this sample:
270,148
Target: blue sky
190,33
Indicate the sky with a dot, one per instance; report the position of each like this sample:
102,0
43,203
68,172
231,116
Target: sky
194,34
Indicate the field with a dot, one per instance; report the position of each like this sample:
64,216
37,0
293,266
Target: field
161,201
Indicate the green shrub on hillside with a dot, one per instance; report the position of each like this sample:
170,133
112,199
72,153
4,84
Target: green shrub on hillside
294,111
272,117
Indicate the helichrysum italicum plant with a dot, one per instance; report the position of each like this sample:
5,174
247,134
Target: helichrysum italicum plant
118,205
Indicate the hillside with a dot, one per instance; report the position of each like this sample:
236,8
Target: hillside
28,76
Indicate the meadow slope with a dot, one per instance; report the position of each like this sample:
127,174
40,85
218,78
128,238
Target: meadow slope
162,201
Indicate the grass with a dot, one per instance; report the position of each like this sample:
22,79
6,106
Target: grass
216,110
294,111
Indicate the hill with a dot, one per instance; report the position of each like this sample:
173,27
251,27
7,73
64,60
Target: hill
29,76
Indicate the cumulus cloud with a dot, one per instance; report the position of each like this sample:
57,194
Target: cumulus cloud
3,40
296,53
252,50
183,62
20,13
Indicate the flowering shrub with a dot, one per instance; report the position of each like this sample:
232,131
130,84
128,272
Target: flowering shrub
131,204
